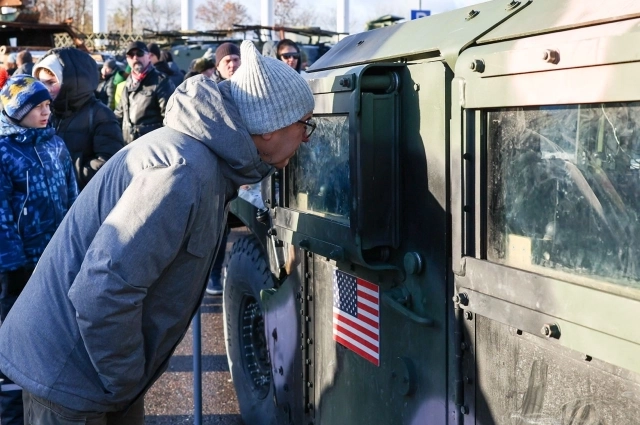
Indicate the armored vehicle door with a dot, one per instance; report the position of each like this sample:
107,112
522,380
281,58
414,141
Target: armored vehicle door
546,138
366,269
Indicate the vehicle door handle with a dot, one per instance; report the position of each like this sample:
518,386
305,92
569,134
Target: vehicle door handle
396,299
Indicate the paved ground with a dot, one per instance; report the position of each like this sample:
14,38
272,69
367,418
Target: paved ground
170,400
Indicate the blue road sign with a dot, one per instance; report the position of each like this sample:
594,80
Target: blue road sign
415,14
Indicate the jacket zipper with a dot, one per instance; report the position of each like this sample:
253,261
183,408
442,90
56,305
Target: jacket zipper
23,209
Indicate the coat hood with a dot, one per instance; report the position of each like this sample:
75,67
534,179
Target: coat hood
8,128
205,111
21,134
80,78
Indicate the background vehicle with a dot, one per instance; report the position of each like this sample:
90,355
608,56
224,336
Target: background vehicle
475,175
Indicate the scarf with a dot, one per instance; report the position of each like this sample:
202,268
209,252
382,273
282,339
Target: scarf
136,79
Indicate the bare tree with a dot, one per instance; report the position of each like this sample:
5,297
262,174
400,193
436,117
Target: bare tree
120,17
216,15
159,15
75,11
285,13
288,13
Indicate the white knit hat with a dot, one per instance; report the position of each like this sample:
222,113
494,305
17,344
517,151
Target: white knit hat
50,62
270,95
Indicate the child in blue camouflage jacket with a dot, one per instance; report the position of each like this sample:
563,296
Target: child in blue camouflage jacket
37,187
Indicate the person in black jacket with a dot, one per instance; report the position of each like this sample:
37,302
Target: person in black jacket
24,61
159,63
106,91
88,127
144,98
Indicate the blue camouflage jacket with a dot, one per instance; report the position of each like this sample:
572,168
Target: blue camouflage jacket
37,187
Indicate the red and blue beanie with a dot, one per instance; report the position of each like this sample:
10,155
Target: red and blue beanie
21,94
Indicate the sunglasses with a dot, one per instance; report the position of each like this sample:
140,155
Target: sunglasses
138,53
290,55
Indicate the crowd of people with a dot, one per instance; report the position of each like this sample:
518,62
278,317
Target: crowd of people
107,246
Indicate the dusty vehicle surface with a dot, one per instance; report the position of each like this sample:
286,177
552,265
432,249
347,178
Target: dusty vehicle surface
459,243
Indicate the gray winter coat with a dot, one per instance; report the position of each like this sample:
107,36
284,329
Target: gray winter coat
116,288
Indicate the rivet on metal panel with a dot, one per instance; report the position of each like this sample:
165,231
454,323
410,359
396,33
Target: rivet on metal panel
416,87
466,380
309,298
309,254
309,384
360,42
463,346
550,330
468,315
512,5
307,275
464,410
472,14
281,371
413,263
345,82
307,318
309,341
274,334
310,406
551,56
272,232
477,65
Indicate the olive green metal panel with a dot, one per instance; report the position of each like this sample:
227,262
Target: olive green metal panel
589,70
443,35
544,16
524,380
411,384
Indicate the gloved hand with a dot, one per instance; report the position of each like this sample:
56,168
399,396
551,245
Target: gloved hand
17,279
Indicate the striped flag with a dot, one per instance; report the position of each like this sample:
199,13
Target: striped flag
356,315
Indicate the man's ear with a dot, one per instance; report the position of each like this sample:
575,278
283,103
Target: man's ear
267,136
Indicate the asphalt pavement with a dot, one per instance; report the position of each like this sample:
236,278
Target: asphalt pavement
171,402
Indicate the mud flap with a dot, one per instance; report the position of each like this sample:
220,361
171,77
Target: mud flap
282,334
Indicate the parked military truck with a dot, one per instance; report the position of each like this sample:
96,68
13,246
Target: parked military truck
459,243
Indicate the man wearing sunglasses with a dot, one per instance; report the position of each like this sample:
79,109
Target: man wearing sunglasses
144,98
116,289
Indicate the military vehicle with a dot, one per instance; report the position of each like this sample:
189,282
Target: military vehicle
459,243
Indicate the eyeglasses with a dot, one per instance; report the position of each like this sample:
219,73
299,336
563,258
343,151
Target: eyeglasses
138,53
310,127
290,55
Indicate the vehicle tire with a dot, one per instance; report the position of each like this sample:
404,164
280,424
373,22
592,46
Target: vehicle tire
248,273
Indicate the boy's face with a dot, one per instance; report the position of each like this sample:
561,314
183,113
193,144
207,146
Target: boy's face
38,117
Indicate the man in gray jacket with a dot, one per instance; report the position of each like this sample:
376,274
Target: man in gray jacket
116,288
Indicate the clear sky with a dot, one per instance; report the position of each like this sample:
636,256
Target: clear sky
361,11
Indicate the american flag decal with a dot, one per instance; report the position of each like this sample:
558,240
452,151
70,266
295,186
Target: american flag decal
356,315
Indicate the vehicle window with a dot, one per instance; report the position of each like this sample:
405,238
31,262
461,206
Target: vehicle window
319,172
564,190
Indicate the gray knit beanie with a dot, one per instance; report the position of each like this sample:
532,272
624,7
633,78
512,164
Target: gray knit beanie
270,95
